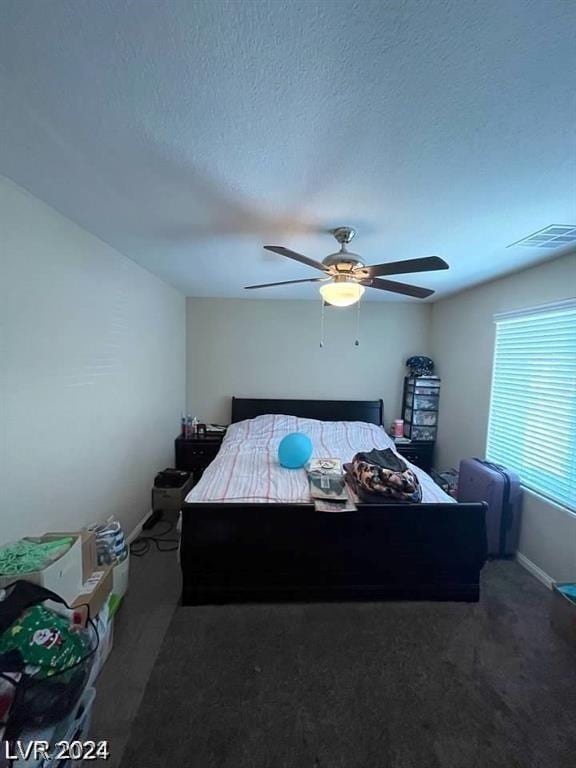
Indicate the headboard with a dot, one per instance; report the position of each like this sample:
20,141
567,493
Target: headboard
370,411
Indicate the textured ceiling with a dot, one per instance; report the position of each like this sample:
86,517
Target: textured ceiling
188,133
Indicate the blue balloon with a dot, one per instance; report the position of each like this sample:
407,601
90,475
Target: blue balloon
294,450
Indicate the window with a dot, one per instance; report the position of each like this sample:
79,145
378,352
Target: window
532,428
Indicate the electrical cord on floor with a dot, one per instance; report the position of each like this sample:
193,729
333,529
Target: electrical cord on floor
143,544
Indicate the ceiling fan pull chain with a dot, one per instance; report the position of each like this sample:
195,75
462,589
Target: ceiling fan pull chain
322,302
357,342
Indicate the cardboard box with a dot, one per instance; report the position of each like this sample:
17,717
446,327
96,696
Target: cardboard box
63,576
166,499
94,593
105,628
563,613
88,538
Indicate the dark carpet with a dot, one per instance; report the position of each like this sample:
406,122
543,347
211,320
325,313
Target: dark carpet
359,685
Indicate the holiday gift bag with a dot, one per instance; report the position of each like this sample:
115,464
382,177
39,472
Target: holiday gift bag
43,657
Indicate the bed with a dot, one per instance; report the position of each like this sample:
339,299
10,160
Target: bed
250,533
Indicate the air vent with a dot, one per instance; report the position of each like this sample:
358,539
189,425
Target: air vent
554,236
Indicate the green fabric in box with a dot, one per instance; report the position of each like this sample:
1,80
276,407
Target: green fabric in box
28,556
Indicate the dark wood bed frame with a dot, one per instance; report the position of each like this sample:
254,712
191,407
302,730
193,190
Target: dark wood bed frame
289,552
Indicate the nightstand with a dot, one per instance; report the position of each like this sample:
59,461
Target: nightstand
419,453
195,453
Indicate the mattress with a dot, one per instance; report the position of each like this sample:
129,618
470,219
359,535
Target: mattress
246,468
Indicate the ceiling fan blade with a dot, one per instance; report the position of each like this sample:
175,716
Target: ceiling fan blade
425,264
296,256
286,282
394,287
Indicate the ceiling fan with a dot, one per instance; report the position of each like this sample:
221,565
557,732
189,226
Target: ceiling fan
346,277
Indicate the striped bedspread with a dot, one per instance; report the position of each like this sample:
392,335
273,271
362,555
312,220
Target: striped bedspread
246,468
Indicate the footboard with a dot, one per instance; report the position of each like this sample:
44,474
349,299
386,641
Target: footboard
289,552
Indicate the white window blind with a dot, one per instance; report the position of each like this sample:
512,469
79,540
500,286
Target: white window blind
532,428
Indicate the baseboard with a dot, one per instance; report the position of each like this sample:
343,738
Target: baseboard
137,530
532,568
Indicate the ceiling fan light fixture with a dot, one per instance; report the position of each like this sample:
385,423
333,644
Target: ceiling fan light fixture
342,293
348,274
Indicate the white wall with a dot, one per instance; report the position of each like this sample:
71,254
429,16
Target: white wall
270,348
91,374
462,345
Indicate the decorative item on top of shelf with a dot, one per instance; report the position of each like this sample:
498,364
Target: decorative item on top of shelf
190,428
420,407
418,365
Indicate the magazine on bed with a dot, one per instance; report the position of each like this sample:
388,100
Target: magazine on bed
328,489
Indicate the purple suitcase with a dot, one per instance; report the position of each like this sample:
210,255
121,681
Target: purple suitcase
481,480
